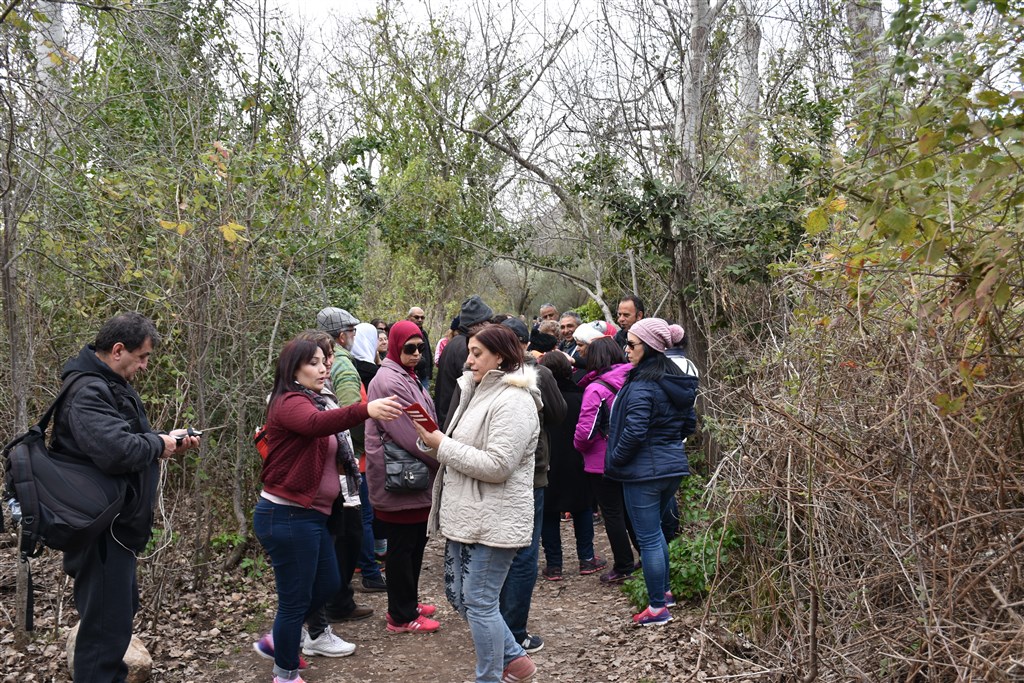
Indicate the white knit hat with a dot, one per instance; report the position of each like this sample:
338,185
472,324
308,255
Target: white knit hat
585,334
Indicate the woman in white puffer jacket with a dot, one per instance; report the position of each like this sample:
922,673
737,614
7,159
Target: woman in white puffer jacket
483,495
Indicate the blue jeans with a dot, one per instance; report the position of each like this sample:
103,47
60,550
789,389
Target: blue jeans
367,563
305,570
647,503
473,577
517,593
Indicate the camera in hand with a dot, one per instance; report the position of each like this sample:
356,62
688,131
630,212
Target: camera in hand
188,432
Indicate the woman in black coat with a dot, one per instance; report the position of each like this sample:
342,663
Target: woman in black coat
567,489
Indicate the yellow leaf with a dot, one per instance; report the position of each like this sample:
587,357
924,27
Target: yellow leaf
837,205
927,140
180,227
230,232
817,222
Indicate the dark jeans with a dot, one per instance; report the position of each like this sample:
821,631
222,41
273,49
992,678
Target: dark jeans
305,570
406,543
367,562
616,522
346,527
106,597
670,520
517,593
551,535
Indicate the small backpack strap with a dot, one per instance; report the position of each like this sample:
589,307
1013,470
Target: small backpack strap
610,387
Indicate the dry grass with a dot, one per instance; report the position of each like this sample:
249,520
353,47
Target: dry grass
884,535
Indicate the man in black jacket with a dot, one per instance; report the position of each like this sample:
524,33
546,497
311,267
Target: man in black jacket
631,309
474,312
102,421
425,368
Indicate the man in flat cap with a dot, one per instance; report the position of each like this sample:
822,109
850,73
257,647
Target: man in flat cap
341,325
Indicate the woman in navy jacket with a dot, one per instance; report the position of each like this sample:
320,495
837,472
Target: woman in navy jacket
652,415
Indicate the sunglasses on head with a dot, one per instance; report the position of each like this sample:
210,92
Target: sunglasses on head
410,349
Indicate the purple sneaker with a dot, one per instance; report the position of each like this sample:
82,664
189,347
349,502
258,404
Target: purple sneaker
613,576
264,647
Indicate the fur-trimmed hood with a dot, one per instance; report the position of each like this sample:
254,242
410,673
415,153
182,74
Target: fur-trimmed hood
524,378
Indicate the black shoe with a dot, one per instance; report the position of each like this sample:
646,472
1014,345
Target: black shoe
357,613
374,584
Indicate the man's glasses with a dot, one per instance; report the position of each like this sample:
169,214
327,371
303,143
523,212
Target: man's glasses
632,344
418,317
410,349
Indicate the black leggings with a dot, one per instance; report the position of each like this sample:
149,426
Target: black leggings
616,521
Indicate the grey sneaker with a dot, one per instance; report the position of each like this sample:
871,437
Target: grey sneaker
326,644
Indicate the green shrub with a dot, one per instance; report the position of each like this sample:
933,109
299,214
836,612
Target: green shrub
694,561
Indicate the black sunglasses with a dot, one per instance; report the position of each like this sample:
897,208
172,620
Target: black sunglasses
633,344
410,349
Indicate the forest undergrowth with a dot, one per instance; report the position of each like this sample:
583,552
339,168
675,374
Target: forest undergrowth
876,480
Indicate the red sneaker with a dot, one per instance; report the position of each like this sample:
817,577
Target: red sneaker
420,624
519,670
426,610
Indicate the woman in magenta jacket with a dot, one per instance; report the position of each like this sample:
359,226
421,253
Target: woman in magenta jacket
402,513
300,484
607,370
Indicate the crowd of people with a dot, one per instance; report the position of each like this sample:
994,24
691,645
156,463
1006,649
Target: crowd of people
525,427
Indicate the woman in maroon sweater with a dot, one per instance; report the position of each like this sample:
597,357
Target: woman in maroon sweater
403,513
300,484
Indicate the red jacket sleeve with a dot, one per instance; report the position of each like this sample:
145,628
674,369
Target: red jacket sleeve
296,413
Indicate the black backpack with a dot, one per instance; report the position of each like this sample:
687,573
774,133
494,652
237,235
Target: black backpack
65,502
602,422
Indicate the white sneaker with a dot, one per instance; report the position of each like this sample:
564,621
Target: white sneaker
326,644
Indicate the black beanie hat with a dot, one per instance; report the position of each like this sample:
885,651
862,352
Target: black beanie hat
474,311
542,342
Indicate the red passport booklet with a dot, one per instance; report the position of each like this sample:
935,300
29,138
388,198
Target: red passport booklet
419,414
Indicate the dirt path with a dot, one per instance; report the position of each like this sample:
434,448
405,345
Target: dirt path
585,625
206,636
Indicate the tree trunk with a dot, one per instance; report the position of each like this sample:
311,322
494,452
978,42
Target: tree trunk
864,21
750,82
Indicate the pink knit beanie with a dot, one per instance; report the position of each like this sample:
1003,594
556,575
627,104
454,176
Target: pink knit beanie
657,333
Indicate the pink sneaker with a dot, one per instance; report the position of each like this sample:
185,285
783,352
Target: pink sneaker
519,670
426,610
420,624
651,617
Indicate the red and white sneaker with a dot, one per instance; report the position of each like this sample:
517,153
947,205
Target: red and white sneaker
519,670
420,624
426,610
